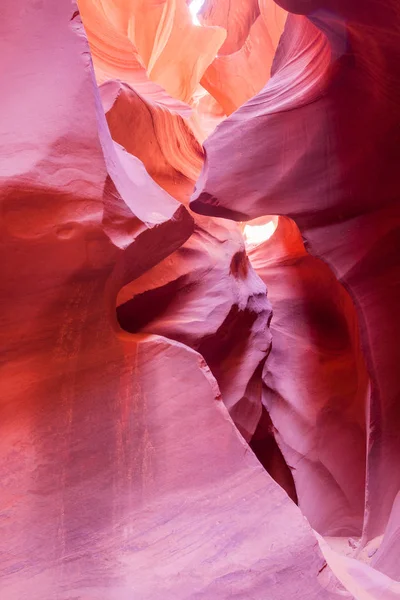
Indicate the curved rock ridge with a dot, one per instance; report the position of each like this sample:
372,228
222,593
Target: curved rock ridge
122,473
143,43
174,383
150,40
235,16
361,581
235,77
207,296
323,149
206,115
162,139
157,50
315,381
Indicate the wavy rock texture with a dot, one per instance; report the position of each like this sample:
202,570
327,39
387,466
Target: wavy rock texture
162,59
234,77
361,581
207,296
142,384
315,381
126,37
159,137
302,148
122,473
234,16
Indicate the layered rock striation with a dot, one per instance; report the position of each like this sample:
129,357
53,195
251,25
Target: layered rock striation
199,288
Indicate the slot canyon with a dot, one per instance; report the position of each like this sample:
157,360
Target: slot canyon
200,286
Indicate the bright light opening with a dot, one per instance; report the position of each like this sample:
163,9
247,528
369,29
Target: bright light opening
257,234
194,8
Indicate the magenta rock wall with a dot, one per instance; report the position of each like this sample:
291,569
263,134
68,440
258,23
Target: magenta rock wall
200,281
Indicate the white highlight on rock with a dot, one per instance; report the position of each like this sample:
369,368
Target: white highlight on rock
194,8
257,234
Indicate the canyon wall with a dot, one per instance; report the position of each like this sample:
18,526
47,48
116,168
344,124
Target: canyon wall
199,288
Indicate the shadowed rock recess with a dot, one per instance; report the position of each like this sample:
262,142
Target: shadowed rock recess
199,303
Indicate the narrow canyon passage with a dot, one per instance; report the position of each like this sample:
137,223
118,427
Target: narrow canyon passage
200,227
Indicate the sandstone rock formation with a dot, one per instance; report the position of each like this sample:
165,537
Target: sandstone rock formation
305,141
197,407
234,77
159,135
315,381
207,296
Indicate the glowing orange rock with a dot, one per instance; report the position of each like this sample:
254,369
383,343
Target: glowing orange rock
159,136
225,79
207,295
235,16
150,40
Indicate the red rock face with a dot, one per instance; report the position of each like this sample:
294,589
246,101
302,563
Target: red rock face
315,382
312,157
207,296
195,408
156,133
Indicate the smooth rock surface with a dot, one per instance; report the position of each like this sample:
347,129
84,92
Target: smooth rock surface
122,473
320,144
149,354
225,79
207,296
315,381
